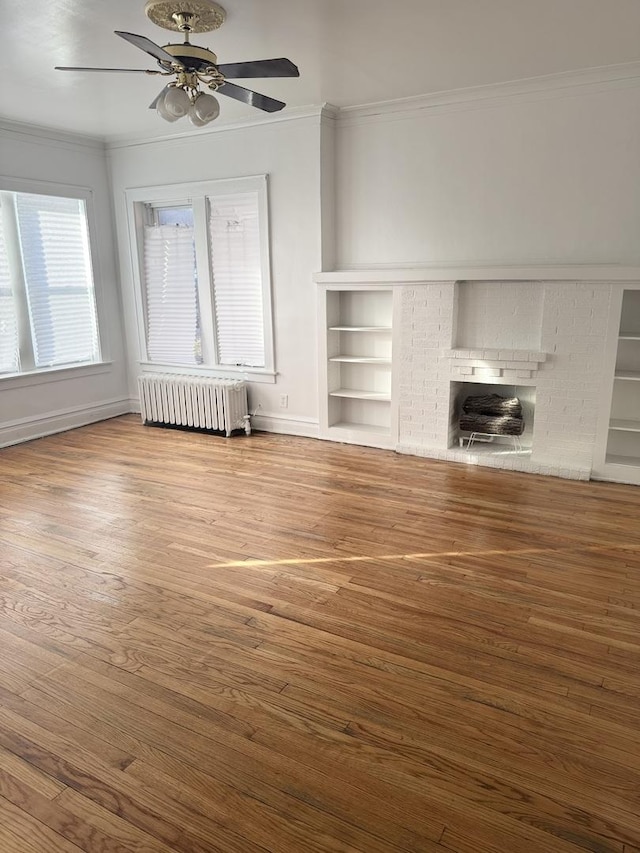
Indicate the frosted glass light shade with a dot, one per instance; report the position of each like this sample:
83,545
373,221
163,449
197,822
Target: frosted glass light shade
204,109
173,104
193,118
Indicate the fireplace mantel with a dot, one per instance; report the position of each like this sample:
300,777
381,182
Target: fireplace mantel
416,274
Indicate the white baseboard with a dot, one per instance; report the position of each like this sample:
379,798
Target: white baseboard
267,422
26,429
285,425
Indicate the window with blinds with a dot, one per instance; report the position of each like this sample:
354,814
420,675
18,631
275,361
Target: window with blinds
204,294
47,303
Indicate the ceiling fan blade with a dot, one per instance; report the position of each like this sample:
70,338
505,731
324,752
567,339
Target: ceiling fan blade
148,46
124,70
254,99
260,68
154,102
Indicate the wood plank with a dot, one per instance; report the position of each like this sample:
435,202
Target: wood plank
108,823
22,771
55,818
21,831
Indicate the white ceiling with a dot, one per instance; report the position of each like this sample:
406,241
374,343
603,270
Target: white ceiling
349,52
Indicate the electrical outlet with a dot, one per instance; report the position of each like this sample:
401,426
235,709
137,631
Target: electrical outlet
284,401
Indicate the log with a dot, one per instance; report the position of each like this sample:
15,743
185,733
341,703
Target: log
492,424
493,404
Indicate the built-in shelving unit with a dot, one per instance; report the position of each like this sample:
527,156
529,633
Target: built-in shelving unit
357,365
623,440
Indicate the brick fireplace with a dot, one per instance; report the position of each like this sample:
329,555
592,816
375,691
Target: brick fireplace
543,340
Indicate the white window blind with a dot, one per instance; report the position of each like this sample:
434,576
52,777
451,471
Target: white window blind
237,279
173,327
9,354
56,263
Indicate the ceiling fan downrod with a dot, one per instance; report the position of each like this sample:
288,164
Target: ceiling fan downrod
185,21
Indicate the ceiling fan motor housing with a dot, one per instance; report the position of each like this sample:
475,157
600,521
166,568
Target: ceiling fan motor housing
193,58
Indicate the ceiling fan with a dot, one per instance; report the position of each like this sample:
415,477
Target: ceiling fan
190,65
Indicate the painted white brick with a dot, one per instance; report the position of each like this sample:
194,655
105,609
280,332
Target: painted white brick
486,371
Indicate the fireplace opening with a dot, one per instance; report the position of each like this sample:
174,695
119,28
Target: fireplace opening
492,428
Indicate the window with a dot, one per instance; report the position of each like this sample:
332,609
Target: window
203,277
47,302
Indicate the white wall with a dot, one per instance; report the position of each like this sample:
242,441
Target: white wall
289,153
39,404
533,178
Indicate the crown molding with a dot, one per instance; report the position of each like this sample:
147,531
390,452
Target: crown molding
564,84
329,112
561,85
292,114
21,131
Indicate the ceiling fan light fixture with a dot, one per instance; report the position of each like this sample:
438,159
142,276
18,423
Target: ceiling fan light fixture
204,109
174,103
162,110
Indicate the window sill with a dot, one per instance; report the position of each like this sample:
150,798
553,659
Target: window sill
250,374
46,375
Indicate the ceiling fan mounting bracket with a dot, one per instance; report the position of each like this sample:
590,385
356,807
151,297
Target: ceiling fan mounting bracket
186,16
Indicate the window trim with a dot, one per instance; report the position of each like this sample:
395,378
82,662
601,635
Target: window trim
45,375
85,194
197,194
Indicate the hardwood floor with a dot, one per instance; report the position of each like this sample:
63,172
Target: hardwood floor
278,644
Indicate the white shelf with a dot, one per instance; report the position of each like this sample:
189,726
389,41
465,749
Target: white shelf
633,461
359,328
633,375
357,394
364,359
624,425
369,428
629,337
